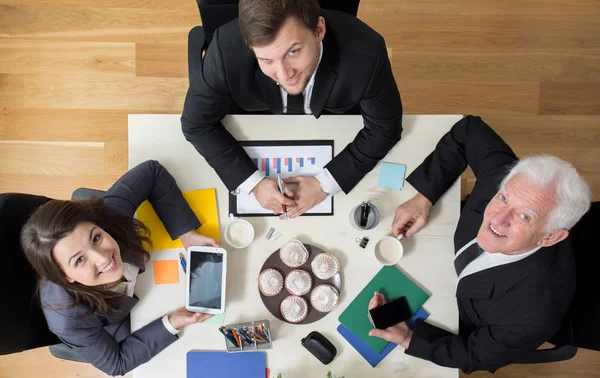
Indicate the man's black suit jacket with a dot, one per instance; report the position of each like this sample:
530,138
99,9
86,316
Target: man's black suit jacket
354,71
505,311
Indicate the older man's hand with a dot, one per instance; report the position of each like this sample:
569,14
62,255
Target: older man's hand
399,333
411,216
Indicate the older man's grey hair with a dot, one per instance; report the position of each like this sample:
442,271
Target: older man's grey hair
572,194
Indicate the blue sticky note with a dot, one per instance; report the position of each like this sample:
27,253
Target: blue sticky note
391,175
372,357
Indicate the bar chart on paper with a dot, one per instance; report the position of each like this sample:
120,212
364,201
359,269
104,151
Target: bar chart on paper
287,159
277,165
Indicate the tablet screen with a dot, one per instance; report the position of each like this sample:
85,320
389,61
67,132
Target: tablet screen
206,279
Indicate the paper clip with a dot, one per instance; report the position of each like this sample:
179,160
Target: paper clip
362,242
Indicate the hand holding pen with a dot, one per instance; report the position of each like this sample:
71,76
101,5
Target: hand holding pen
268,194
282,190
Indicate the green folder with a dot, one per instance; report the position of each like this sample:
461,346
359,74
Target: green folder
393,284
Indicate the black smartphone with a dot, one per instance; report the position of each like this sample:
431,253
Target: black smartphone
390,314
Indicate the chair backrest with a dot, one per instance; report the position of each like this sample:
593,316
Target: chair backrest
582,326
22,322
215,13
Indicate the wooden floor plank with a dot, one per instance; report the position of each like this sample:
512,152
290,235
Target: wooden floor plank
570,98
474,32
498,64
40,363
140,93
425,97
376,8
116,157
72,58
71,125
161,60
138,4
54,186
12,90
96,24
51,158
550,132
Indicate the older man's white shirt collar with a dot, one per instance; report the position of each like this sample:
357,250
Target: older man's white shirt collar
489,260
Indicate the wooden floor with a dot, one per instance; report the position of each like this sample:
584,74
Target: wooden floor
71,71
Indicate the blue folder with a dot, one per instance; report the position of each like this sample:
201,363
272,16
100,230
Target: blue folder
372,357
205,364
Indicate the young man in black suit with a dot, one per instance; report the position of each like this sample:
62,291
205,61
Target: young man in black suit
514,259
291,57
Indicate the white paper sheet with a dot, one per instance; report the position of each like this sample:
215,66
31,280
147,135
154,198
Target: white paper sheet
306,160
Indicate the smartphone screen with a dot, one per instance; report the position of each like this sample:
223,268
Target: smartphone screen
390,314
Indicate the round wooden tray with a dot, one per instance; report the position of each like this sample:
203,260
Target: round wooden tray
273,303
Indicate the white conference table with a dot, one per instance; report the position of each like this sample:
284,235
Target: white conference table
428,257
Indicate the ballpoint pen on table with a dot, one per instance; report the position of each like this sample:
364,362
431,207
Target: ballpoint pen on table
282,190
182,261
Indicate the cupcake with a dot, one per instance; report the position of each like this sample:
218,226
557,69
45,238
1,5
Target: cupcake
298,282
325,266
294,309
270,282
324,298
293,254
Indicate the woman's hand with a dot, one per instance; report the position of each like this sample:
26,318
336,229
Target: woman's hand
183,317
193,238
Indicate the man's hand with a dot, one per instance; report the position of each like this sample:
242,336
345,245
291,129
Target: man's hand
307,195
411,216
193,238
183,317
399,333
268,195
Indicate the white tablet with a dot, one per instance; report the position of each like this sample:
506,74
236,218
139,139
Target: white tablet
205,280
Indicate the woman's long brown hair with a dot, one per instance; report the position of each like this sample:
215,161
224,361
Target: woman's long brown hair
56,219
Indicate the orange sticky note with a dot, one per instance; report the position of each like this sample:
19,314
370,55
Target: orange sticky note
166,272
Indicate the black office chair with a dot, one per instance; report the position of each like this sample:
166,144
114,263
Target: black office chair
215,13
23,325
580,328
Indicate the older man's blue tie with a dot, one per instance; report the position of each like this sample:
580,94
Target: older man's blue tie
465,258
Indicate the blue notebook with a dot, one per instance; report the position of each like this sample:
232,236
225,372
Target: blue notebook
204,364
372,357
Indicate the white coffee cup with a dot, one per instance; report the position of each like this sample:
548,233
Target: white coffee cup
239,233
389,250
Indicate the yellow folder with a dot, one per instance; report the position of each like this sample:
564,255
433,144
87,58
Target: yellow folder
204,204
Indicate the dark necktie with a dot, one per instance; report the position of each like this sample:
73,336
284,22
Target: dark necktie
466,257
295,104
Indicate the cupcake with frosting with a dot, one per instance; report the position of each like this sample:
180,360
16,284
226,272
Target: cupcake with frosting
298,282
294,309
270,282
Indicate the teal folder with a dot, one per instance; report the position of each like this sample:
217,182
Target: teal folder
392,283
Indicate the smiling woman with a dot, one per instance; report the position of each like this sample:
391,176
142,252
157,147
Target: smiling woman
72,242
88,254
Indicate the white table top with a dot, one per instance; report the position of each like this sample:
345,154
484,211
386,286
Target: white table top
428,257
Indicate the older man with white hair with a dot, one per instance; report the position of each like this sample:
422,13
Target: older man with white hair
514,259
